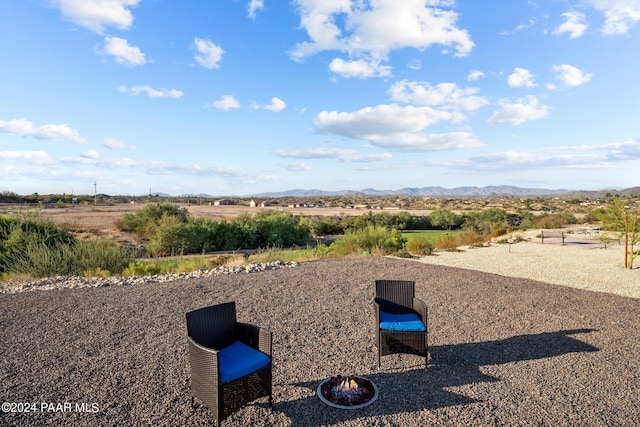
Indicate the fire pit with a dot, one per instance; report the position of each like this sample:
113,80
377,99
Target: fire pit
347,392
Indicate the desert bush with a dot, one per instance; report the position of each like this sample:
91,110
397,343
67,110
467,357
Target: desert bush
485,221
419,245
550,221
369,240
322,226
470,237
79,258
100,256
501,231
446,242
37,259
21,233
150,214
279,230
172,236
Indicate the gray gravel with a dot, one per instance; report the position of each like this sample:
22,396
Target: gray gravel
504,351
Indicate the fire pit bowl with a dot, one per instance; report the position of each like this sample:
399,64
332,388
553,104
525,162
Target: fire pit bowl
347,392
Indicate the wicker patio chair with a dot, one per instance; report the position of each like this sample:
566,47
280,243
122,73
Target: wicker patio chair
230,361
400,319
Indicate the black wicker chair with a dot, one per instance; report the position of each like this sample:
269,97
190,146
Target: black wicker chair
230,361
400,319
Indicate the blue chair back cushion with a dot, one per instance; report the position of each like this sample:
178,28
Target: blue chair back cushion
238,360
409,322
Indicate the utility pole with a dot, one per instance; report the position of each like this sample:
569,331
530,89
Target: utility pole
95,193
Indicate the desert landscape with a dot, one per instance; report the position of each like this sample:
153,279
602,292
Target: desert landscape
521,334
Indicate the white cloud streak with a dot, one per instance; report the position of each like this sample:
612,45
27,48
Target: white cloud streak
24,127
342,154
33,157
151,92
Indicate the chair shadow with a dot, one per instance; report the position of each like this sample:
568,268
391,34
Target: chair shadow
451,365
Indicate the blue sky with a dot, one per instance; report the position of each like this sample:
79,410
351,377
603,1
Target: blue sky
242,97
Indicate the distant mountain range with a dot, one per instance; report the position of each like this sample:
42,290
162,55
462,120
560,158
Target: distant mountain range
490,191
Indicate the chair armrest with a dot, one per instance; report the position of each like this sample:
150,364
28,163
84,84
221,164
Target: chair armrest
420,307
205,372
255,337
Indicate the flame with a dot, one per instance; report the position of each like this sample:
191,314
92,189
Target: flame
349,384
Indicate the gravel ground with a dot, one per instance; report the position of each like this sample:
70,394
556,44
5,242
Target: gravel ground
581,262
503,350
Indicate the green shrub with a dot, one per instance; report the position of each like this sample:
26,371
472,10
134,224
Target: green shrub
100,255
420,245
371,240
150,214
80,258
172,236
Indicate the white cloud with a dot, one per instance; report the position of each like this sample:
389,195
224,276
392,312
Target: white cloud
254,6
114,144
574,25
276,105
421,142
209,54
91,154
122,52
370,158
96,15
317,153
415,65
521,77
379,120
584,156
228,102
394,127
475,75
620,15
35,157
570,75
524,110
296,167
520,27
371,30
342,154
24,127
445,95
151,92
359,68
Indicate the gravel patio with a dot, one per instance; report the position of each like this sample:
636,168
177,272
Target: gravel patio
503,350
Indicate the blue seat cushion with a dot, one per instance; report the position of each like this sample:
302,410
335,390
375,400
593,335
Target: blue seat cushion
409,322
238,360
